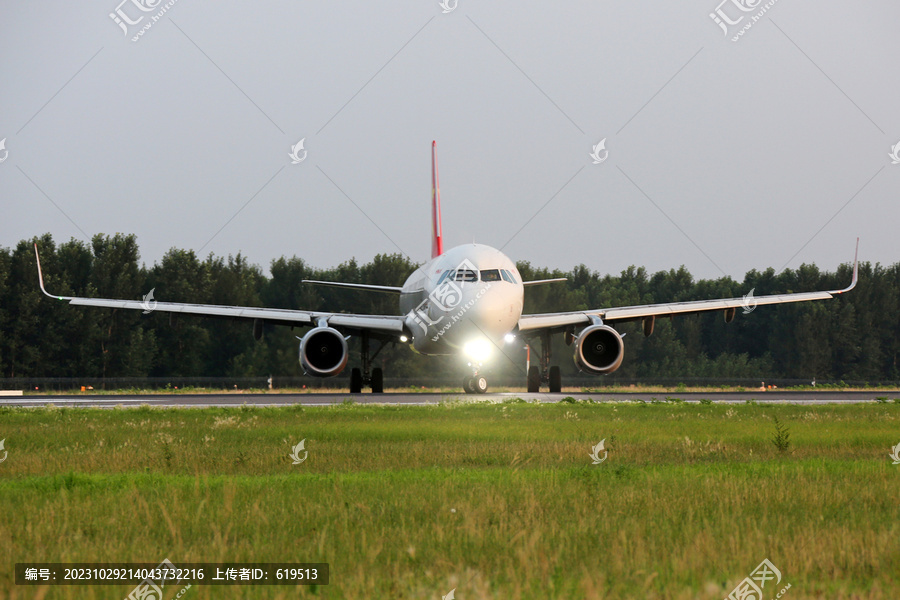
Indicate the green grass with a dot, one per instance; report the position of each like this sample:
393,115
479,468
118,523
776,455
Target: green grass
495,500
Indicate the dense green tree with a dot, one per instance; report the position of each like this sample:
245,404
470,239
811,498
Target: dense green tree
182,343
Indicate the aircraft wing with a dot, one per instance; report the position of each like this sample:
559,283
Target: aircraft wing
278,316
560,321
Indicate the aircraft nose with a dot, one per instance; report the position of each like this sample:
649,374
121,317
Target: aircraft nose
497,310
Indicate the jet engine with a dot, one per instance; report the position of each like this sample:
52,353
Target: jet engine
323,352
599,349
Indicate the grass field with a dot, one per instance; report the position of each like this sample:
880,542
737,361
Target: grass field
495,500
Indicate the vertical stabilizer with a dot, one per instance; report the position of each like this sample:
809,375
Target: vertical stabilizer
437,238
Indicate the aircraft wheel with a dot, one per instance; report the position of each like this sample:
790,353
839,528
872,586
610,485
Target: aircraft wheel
555,380
355,381
534,380
480,384
468,385
377,381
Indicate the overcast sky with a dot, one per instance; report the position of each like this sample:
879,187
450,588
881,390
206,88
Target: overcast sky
772,150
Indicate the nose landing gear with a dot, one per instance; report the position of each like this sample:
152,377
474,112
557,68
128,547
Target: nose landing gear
477,384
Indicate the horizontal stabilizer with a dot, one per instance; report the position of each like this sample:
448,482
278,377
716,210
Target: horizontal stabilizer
543,281
357,286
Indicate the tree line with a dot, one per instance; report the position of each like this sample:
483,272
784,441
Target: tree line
854,337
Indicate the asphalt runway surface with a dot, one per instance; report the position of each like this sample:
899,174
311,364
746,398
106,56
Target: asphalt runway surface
417,399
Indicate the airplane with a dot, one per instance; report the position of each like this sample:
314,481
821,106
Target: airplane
466,300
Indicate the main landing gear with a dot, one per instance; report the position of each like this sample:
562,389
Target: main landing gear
367,375
544,373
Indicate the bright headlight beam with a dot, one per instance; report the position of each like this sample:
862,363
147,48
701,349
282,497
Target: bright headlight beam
477,350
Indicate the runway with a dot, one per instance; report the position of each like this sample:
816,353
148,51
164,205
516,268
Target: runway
424,399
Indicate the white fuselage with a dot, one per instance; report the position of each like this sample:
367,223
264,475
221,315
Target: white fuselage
468,298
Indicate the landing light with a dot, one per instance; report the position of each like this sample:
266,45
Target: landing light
404,339
509,338
477,350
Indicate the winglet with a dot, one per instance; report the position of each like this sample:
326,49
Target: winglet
437,238
855,272
41,275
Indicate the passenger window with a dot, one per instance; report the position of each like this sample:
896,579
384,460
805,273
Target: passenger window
490,275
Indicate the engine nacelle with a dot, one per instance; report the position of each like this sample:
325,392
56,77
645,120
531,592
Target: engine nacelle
323,352
599,349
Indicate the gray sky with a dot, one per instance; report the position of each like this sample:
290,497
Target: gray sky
723,156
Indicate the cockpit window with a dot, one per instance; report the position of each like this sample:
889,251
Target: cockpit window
490,275
466,275
508,276
443,277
